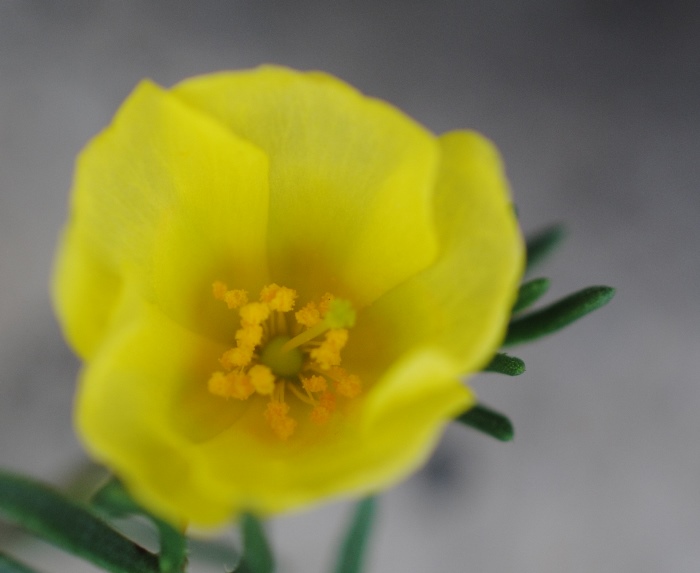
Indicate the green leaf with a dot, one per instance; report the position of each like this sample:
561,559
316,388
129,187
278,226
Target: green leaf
540,245
352,551
504,364
529,293
172,557
66,524
257,557
9,565
558,315
489,422
115,501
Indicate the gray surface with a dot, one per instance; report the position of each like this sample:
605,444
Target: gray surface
595,107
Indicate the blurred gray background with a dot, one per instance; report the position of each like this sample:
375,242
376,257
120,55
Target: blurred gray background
594,104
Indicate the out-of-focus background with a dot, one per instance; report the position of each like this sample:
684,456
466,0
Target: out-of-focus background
595,106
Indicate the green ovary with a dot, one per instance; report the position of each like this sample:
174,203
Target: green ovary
286,364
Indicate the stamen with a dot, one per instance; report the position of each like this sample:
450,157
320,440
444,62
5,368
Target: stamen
349,387
235,298
219,290
266,359
218,384
231,385
322,413
299,394
314,383
328,353
262,379
249,336
237,357
278,298
326,300
254,313
279,421
309,315
232,298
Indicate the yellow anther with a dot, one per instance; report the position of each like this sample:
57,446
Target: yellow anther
235,298
241,385
337,338
328,353
249,336
237,357
219,289
327,400
262,379
349,386
278,298
326,300
320,415
308,315
254,313
325,408
314,383
232,298
218,384
231,385
279,421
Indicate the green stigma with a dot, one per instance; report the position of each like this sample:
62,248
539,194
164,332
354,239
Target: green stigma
340,314
286,364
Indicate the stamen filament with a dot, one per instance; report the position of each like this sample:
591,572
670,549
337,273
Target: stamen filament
303,397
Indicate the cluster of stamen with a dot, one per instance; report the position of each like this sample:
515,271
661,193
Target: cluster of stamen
276,355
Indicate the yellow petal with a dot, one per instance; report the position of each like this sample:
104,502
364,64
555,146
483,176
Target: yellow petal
130,412
417,233
85,291
351,178
462,303
144,410
377,445
170,199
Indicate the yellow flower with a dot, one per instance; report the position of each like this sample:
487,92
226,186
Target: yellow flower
275,284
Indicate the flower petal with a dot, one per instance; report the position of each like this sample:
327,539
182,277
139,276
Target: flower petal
129,409
84,291
376,445
173,201
462,303
143,408
351,178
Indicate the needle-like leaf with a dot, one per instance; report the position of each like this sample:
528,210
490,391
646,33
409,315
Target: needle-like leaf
257,556
489,422
115,501
540,245
70,526
504,364
558,315
351,557
529,293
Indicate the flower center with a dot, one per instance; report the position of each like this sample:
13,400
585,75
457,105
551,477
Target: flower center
275,353
282,363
